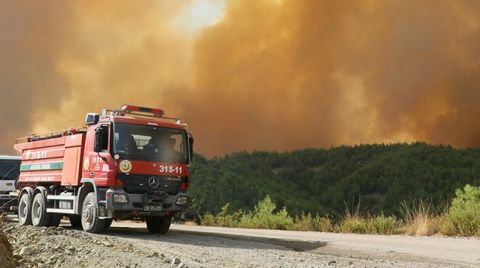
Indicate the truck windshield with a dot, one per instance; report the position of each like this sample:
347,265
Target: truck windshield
9,169
150,143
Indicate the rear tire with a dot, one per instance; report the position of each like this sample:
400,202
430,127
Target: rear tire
90,220
159,225
25,210
40,217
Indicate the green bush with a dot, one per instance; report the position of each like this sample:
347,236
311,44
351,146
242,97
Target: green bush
264,217
225,219
353,224
306,222
207,219
463,217
376,225
381,225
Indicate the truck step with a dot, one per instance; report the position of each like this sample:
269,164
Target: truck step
61,197
60,210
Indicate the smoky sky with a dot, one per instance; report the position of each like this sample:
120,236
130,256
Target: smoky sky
269,75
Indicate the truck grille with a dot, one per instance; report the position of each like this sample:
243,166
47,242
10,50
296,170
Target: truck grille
140,184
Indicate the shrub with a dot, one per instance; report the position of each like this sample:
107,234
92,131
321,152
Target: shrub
463,217
306,222
381,224
264,217
353,224
225,219
419,218
322,224
207,219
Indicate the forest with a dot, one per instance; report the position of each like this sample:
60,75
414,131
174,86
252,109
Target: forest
373,178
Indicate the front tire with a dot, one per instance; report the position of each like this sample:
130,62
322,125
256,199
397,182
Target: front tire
159,225
40,217
25,210
90,219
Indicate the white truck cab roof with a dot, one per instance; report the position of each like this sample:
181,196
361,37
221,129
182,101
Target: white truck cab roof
10,157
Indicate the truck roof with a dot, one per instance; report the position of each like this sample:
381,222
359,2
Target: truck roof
147,121
131,114
10,157
127,114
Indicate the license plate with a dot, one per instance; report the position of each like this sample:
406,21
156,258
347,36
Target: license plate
152,208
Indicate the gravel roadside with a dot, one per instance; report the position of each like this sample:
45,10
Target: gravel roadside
135,247
67,247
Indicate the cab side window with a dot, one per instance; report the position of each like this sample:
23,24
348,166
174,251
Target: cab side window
101,139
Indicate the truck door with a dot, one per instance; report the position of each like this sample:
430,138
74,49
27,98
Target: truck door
100,161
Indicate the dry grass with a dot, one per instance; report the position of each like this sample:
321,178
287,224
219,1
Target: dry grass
307,222
419,219
356,223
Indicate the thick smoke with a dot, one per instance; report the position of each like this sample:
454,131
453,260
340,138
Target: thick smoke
59,60
272,74
126,53
291,74
31,38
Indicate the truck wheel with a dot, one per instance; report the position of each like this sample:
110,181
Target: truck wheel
76,221
25,210
40,217
90,220
159,225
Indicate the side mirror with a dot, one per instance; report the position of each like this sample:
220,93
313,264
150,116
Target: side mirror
190,147
101,139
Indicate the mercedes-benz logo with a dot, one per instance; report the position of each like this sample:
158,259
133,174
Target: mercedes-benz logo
153,182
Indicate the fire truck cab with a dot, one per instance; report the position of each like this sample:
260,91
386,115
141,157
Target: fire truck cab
130,163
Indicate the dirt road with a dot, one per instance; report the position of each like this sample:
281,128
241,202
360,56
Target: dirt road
455,250
130,245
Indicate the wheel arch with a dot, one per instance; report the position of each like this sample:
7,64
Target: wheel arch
27,190
40,189
88,185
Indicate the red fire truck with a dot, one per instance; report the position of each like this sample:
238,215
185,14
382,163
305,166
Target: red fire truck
130,163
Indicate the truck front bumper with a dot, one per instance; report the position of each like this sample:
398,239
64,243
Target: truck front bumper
120,203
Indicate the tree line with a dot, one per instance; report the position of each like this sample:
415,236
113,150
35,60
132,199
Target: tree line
372,178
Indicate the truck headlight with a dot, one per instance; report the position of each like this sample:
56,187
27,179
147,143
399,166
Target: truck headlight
120,198
181,200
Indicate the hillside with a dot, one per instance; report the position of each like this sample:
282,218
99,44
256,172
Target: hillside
325,181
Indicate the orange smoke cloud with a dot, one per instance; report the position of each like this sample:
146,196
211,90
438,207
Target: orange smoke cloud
292,74
274,75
